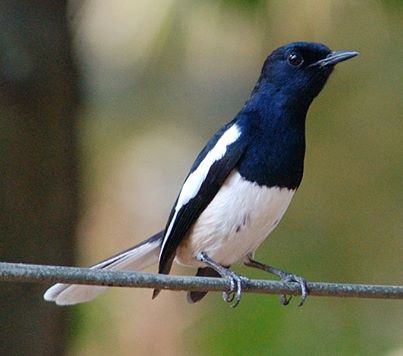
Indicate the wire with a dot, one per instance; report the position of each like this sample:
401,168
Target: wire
29,273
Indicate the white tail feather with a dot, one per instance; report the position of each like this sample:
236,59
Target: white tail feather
135,259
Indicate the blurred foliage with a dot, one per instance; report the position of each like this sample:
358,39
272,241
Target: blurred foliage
244,5
161,77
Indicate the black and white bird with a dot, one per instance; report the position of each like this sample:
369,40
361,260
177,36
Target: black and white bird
241,183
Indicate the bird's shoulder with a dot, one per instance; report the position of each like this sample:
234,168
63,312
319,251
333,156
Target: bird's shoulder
232,133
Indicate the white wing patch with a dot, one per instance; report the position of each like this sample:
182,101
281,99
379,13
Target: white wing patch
195,180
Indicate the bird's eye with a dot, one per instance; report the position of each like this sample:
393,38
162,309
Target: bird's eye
295,59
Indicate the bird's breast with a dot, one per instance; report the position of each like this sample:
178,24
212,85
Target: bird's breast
235,223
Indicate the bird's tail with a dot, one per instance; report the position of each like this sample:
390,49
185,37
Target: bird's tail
135,258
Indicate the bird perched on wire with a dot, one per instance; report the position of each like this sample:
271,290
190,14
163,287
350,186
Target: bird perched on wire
240,184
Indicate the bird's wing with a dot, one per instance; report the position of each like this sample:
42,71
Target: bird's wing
211,168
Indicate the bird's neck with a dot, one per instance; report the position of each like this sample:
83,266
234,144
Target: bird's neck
277,126
268,98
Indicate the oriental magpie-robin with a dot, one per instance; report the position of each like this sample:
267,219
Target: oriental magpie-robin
240,184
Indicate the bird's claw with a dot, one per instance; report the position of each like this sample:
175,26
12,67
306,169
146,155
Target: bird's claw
284,300
292,278
233,296
286,277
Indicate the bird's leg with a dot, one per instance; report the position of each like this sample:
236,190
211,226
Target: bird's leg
234,295
285,277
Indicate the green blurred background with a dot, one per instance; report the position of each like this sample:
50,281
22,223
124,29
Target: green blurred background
159,77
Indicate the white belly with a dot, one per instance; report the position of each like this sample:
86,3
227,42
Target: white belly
235,223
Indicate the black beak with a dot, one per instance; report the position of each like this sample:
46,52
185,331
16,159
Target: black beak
334,58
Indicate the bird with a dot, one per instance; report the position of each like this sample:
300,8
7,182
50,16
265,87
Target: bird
240,184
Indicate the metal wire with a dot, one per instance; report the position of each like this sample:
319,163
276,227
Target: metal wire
29,273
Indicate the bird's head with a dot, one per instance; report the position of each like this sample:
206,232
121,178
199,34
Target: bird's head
299,70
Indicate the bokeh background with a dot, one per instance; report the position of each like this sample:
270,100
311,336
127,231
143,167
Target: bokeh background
156,79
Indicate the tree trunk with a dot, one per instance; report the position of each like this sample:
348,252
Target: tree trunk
39,97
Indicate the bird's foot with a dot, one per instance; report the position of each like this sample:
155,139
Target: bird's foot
285,277
292,278
233,296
